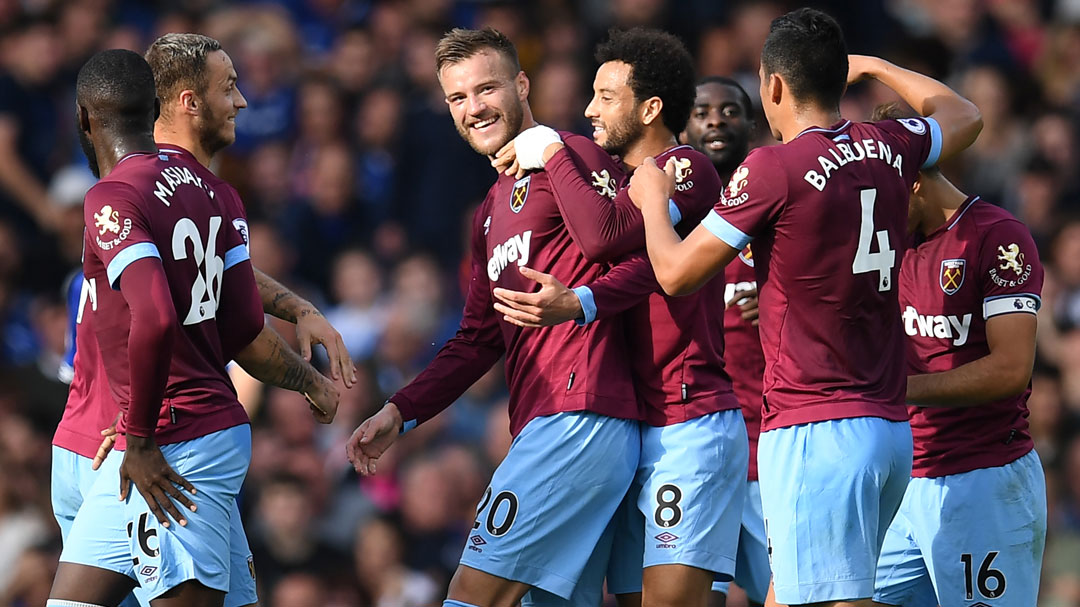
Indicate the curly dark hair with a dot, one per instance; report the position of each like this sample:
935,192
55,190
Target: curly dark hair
660,67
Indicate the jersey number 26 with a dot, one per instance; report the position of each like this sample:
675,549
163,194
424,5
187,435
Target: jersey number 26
206,291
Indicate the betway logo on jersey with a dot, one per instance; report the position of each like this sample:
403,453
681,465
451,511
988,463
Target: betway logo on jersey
842,153
955,328
514,250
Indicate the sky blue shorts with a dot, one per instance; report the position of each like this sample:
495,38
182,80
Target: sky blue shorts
552,498
752,572
125,536
687,500
974,537
828,492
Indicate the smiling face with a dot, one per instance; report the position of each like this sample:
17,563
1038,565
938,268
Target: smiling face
216,123
613,111
486,99
719,125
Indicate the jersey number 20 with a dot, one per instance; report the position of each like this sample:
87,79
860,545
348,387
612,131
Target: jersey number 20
206,291
881,262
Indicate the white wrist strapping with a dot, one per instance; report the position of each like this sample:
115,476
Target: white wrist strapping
530,144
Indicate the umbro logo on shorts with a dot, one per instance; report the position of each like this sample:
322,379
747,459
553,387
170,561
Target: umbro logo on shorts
477,540
667,537
980,604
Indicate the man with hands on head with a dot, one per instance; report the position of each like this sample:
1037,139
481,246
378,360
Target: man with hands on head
972,525
826,212
681,523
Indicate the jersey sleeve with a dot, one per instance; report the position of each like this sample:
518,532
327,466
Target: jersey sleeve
117,228
625,285
751,201
697,186
237,245
1010,273
584,182
918,140
467,356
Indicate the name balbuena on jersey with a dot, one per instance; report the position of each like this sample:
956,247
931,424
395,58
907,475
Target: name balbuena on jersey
827,214
166,206
550,370
981,264
745,362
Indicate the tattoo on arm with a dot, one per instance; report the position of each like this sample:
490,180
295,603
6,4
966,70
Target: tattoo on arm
270,360
279,301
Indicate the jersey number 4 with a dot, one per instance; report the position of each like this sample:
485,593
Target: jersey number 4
206,291
884,260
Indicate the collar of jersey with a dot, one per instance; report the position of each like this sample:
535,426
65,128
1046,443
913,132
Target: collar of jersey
945,227
171,148
832,130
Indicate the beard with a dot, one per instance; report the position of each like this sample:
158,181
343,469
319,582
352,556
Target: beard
213,136
621,134
511,120
90,152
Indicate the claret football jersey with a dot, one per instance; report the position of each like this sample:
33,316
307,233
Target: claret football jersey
827,214
980,264
550,370
163,205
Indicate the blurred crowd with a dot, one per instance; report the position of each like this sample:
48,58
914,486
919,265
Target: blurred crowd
359,192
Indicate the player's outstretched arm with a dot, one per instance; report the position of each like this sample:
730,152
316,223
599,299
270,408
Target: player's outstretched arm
270,360
373,437
958,118
311,326
681,266
1004,372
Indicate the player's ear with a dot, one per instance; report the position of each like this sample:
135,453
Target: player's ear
157,108
522,83
650,110
777,88
83,116
189,102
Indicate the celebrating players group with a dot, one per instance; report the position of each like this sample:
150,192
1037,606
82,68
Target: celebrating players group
804,369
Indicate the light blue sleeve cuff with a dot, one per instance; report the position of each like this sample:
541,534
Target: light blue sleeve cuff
235,255
127,257
935,143
674,212
409,425
720,228
588,305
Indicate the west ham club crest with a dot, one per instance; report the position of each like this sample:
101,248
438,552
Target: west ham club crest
952,275
519,194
